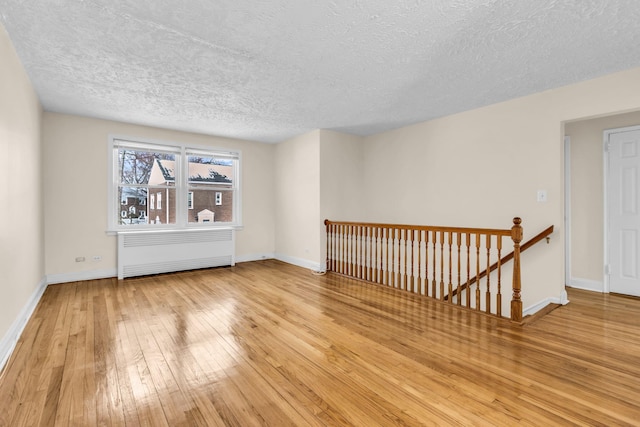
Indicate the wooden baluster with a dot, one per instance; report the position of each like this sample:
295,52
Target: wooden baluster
426,262
468,288
458,294
363,252
450,289
400,263
340,248
336,248
420,263
441,287
376,255
345,237
388,269
327,265
487,294
345,247
434,236
516,301
354,251
359,252
411,287
347,255
412,265
477,271
369,253
333,247
405,240
499,294
392,265
398,284
390,257
349,250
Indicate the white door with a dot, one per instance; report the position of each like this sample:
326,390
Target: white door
624,216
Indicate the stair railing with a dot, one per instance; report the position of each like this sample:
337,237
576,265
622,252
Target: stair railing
453,264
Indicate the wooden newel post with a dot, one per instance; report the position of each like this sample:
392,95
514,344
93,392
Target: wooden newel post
327,226
516,302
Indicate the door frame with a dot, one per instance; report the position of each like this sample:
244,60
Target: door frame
567,210
605,149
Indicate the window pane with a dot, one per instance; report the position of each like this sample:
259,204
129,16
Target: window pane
211,206
162,210
145,167
210,170
133,205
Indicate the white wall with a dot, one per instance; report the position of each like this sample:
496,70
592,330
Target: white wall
75,200
21,227
297,222
483,167
587,202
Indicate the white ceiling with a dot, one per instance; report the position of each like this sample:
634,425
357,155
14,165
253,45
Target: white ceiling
272,69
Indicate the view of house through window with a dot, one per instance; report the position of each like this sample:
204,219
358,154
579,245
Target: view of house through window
172,185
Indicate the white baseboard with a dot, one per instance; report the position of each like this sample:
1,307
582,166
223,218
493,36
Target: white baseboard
9,341
81,275
586,284
562,300
304,263
255,257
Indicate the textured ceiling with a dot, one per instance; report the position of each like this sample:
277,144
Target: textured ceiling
269,70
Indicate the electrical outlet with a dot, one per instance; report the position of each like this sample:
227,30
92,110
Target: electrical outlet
97,258
79,259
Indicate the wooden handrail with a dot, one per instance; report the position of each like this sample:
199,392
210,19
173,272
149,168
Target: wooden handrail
537,238
470,230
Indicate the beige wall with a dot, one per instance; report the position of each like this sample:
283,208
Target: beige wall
482,167
340,176
587,203
75,166
21,227
298,200
340,180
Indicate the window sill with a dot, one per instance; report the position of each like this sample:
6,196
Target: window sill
194,228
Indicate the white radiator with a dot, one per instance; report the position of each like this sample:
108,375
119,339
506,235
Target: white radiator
163,251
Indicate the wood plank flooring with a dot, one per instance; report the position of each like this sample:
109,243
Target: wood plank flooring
269,344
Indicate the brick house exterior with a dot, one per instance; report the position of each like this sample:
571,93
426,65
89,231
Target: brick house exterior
210,197
133,207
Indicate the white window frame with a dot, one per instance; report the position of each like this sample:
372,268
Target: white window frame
181,151
218,198
152,200
159,200
190,200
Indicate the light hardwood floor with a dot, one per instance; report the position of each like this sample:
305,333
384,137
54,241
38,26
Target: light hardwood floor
266,343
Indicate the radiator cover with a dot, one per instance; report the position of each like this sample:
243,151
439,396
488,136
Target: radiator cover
162,251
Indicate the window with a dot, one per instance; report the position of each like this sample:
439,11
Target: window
184,186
